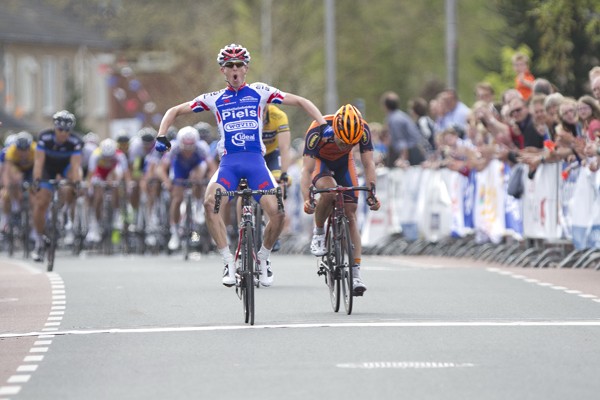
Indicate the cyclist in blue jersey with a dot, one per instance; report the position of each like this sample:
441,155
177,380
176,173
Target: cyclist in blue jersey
57,156
238,110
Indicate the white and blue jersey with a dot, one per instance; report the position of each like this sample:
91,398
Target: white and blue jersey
239,116
181,165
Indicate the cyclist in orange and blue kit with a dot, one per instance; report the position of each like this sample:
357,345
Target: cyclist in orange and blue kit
329,161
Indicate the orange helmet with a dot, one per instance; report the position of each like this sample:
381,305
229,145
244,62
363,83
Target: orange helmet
348,124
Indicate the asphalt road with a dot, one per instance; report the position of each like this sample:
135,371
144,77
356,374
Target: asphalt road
427,328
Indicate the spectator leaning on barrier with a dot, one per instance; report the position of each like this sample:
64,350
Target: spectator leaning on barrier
418,108
404,136
551,103
523,121
484,91
589,116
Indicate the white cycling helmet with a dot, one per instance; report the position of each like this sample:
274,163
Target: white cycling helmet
64,120
108,148
91,137
233,52
10,139
188,136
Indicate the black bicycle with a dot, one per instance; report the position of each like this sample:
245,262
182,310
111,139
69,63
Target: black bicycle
18,227
248,275
52,226
336,265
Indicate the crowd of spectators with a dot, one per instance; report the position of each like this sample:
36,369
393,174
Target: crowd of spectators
531,123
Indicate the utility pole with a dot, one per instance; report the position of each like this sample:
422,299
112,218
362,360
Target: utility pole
331,96
266,39
451,44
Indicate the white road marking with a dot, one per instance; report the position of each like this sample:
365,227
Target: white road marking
8,299
545,284
387,324
27,368
42,342
19,379
405,365
8,390
33,358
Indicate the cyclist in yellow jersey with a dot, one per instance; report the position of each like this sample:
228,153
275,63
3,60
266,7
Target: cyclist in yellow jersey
18,168
277,137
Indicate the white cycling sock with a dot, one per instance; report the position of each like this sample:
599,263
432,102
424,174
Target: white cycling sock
227,256
263,253
319,231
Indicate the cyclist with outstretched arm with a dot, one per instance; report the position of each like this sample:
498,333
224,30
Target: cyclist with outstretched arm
328,161
238,110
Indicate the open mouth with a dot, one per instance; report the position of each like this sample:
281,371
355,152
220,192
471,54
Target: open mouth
235,76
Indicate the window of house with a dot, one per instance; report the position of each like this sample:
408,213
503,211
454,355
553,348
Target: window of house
9,83
49,87
26,81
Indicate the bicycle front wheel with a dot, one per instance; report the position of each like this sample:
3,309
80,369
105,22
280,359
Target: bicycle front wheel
247,284
345,262
53,235
332,277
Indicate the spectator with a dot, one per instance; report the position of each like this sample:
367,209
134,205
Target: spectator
540,118
403,133
418,111
596,87
551,103
594,73
542,86
379,143
455,112
589,116
569,120
522,119
524,78
510,94
484,91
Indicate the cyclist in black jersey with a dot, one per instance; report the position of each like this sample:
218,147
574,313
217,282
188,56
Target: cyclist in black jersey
57,156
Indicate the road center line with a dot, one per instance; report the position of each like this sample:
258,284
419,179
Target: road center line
415,324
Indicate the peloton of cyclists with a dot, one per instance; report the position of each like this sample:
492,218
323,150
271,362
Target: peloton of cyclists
328,161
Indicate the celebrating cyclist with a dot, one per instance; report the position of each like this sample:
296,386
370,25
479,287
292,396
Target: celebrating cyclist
329,161
238,109
186,160
107,164
58,155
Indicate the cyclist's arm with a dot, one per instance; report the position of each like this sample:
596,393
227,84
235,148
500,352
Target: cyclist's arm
76,167
308,106
284,138
308,166
171,114
366,159
38,164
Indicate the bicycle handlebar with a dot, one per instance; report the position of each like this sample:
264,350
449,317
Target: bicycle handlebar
340,189
246,193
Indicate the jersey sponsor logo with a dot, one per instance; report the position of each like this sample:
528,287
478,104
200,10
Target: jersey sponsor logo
248,98
313,140
245,124
239,113
240,138
365,138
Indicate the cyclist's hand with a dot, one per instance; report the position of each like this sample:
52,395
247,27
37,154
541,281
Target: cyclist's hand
162,144
326,131
309,208
374,203
35,186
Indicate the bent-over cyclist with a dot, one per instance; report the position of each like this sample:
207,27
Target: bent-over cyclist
328,161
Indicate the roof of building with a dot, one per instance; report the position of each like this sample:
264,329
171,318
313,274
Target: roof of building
36,21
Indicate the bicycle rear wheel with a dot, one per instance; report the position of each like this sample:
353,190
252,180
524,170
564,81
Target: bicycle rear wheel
332,277
345,262
247,284
53,235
